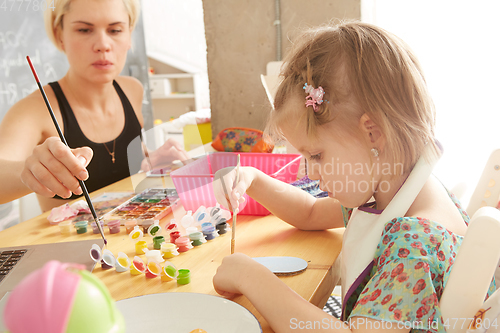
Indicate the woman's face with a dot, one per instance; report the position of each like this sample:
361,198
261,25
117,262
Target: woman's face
96,36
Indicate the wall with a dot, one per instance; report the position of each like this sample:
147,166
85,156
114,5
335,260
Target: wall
241,40
175,34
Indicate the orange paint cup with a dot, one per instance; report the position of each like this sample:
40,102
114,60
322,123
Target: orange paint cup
153,269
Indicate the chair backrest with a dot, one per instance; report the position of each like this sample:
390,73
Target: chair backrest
487,192
487,319
271,80
472,271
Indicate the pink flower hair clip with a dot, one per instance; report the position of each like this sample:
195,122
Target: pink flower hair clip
315,96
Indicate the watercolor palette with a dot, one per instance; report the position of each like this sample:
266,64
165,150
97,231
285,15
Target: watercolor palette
151,204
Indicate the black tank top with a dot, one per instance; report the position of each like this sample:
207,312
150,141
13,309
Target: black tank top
102,171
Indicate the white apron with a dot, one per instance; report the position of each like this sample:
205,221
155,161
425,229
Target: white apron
364,230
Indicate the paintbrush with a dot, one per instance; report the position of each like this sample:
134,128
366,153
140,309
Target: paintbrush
233,234
61,136
146,154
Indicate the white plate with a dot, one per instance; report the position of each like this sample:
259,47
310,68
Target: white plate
184,312
283,265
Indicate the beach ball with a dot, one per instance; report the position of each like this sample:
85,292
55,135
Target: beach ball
62,298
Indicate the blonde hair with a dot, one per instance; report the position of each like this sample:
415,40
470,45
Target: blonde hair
53,19
360,63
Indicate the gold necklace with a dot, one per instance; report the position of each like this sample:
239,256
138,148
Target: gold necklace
112,154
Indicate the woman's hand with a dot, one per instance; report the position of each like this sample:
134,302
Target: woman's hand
52,168
226,189
170,151
236,272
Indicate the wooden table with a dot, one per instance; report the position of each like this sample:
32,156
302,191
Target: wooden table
256,236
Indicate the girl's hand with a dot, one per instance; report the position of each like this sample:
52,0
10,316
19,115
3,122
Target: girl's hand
52,168
227,178
235,273
170,151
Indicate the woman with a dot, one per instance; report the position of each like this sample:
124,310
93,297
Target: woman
98,110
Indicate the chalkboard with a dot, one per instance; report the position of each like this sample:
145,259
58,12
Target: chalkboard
22,33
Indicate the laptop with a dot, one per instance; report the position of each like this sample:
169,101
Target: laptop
18,261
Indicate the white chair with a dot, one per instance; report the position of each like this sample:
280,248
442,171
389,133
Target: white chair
471,275
271,80
487,191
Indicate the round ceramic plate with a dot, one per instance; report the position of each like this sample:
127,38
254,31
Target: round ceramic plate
184,312
283,265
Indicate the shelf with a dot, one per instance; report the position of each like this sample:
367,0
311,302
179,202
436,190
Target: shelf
172,89
176,96
172,86
172,76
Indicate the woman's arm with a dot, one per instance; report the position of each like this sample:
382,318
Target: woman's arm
32,157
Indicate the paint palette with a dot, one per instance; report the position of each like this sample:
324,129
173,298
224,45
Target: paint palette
151,204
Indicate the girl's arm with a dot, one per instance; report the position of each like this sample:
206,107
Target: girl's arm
285,201
283,309
294,205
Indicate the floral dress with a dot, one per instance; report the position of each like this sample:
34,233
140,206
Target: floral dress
412,264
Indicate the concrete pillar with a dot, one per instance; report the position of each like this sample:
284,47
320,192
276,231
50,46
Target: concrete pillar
241,40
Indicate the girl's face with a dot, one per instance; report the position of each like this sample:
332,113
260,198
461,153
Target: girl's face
343,167
96,36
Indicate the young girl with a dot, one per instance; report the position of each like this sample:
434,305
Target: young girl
99,111
354,102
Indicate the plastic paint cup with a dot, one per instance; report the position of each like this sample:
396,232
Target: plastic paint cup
157,241
174,235
108,259
153,269
206,224
197,238
146,224
200,214
184,276
95,253
154,255
129,225
191,230
95,228
138,267
183,244
214,210
169,272
114,226
65,227
172,227
136,234
209,232
221,228
122,262
154,229
81,227
169,250
140,247
188,219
